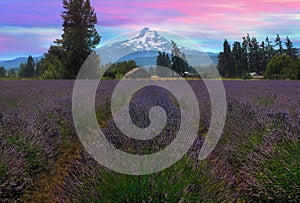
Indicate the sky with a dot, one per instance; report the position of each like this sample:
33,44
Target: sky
29,27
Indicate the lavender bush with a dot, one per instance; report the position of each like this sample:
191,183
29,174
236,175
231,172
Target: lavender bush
257,158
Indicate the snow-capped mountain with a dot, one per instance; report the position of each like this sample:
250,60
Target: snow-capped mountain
143,48
148,40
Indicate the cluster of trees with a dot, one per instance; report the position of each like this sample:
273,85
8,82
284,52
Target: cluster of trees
283,67
177,62
28,69
2,72
251,56
118,70
65,58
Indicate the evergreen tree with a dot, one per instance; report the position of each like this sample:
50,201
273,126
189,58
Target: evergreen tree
258,56
30,67
38,69
290,50
245,56
226,66
27,69
12,73
163,60
2,72
52,65
178,63
279,44
80,36
239,59
263,57
248,51
22,70
269,49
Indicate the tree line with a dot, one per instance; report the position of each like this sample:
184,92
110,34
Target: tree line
177,63
65,56
28,69
263,58
118,70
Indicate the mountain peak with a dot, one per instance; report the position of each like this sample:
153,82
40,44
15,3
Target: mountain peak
147,32
147,39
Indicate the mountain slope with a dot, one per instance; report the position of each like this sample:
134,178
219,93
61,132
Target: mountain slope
15,63
144,47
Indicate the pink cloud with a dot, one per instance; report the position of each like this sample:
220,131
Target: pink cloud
205,21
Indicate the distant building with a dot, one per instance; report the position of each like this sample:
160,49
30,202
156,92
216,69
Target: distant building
138,73
255,75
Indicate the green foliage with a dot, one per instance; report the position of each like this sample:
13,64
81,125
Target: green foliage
269,50
79,38
226,66
290,50
278,42
266,101
163,60
182,182
52,65
52,68
12,73
279,177
27,70
178,62
118,70
79,34
36,159
282,67
239,59
3,171
30,69
34,155
2,72
250,56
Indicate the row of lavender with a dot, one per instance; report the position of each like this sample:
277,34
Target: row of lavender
256,159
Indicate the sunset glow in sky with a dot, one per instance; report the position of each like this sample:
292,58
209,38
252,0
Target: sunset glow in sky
30,26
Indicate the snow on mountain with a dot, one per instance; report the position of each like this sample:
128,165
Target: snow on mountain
144,47
148,40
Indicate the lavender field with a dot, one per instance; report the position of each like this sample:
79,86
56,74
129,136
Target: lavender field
256,160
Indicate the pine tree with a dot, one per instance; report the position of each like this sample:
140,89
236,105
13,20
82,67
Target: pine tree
279,44
263,57
27,69
290,50
38,69
178,62
248,51
269,49
239,59
22,70
12,73
163,60
80,36
226,66
30,67
2,72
